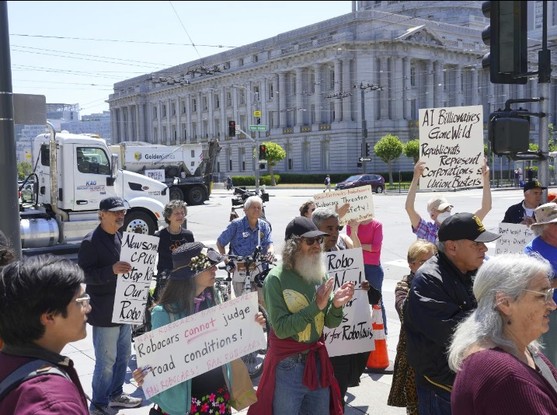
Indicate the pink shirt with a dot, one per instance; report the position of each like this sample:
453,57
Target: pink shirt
370,233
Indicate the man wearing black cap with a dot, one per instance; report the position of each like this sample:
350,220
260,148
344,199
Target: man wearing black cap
99,257
300,302
440,297
523,212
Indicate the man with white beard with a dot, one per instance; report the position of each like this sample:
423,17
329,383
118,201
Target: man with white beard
298,376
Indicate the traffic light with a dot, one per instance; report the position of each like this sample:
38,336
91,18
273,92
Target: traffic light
368,149
232,128
508,133
262,152
506,36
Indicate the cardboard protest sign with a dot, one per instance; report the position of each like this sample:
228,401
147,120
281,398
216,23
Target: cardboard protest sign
354,334
195,344
514,237
451,144
359,198
132,288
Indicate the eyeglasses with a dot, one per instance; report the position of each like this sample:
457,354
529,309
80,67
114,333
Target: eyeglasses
119,212
548,294
311,241
83,300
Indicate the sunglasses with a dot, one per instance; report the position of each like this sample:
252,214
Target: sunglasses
311,241
547,294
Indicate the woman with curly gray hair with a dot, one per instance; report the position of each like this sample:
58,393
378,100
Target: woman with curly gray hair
499,366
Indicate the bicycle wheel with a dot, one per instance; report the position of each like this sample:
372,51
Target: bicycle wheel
254,360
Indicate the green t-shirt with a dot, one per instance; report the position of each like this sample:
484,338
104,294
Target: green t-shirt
292,309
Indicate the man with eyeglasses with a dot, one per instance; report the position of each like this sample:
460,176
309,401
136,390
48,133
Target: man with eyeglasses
545,245
439,298
43,307
99,257
298,375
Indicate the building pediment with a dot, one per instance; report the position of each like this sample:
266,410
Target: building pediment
421,34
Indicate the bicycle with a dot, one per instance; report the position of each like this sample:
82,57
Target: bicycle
254,360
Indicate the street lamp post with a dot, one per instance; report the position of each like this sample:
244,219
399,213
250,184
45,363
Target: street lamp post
364,158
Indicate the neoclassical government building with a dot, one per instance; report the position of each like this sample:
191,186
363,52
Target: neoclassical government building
323,91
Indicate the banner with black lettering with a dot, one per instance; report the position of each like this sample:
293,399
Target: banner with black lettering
133,287
354,334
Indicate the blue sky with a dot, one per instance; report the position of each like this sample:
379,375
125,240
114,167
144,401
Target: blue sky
73,52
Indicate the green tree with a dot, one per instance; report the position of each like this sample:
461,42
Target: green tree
24,169
389,148
412,149
275,153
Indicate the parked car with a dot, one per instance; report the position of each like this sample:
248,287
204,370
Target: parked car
376,181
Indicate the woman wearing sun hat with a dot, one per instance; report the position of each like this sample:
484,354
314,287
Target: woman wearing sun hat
190,289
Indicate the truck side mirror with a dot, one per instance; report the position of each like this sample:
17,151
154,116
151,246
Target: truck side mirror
114,163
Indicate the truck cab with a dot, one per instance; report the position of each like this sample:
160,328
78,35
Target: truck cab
85,173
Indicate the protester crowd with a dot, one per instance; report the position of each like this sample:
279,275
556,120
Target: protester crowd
475,333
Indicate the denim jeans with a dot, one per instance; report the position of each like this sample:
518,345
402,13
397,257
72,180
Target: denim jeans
374,275
291,396
112,352
433,402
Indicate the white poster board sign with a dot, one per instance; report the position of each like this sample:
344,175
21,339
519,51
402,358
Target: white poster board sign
514,237
354,334
156,174
359,198
451,144
132,288
198,343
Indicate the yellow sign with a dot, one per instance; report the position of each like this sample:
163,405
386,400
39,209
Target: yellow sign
257,113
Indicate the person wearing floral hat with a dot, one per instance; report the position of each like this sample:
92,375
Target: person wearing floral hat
190,289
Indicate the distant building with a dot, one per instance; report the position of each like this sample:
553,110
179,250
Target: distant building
314,89
91,124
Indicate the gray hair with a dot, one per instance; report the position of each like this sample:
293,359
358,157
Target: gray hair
508,274
321,214
173,205
289,251
251,200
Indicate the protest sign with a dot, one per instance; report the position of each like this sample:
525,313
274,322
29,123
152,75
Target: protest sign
451,144
514,237
132,288
195,344
354,334
359,198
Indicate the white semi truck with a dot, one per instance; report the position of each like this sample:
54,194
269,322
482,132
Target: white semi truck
65,204
186,169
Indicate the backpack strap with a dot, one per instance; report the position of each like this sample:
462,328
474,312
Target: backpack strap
29,370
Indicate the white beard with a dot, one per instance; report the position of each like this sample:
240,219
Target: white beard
311,268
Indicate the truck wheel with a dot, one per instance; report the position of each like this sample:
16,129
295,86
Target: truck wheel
176,193
196,195
139,222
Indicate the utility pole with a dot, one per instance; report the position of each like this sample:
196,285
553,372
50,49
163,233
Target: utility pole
544,79
9,220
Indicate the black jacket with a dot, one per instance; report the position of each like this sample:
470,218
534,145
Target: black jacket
439,298
98,252
515,213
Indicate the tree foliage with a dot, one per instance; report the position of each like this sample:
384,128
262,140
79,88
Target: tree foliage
275,153
388,149
412,149
24,169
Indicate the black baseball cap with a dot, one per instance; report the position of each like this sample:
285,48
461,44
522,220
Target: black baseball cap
113,204
465,226
534,184
302,226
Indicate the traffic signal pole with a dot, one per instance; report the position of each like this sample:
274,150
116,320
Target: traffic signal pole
544,79
256,173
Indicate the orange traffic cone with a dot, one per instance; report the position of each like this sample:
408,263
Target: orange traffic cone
378,359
